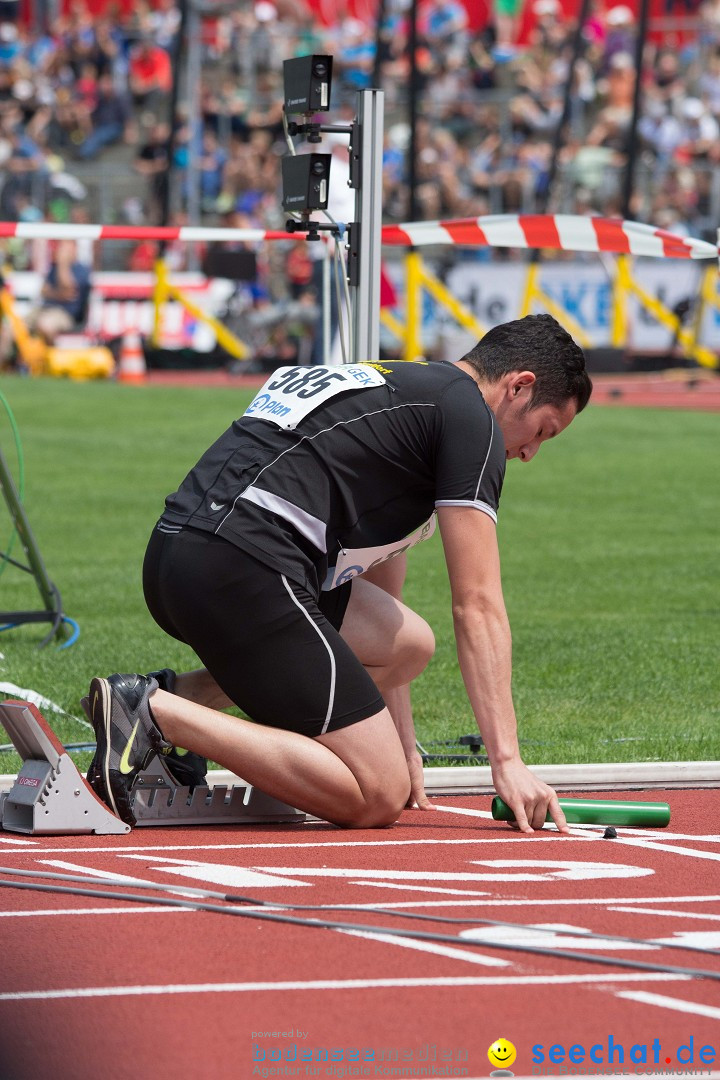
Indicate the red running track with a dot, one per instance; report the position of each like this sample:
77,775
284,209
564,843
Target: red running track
105,988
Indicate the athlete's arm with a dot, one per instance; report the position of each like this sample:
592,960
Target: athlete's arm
390,576
484,647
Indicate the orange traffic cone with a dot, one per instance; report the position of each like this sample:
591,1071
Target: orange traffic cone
131,365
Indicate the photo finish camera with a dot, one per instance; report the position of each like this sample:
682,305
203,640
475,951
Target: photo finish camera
306,179
307,82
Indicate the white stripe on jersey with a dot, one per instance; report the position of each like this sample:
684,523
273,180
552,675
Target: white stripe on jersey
319,632
467,502
312,528
310,438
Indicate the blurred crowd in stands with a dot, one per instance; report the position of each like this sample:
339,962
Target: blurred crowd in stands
85,107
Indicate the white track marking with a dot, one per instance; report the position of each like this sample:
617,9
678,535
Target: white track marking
665,911
651,845
698,939
437,889
115,878
429,947
677,1004
500,901
9,840
548,936
555,870
234,877
337,984
310,844
135,910
464,810
561,871
510,838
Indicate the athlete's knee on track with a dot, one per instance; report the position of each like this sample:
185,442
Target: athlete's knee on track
379,807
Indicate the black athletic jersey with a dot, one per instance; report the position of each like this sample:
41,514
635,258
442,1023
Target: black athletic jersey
356,478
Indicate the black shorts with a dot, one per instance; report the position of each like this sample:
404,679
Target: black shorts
270,644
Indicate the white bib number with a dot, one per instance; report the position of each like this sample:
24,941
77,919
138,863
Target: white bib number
356,561
291,393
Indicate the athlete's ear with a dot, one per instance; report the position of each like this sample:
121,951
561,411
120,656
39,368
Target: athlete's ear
519,383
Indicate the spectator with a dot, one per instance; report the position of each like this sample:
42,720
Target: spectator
65,295
26,171
152,163
150,79
110,120
164,21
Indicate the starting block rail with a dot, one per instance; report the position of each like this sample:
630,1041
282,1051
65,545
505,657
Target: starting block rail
51,797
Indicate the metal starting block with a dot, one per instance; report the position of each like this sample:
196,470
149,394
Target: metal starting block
158,799
51,797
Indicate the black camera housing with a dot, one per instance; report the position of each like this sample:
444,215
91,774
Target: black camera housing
306,180
307,81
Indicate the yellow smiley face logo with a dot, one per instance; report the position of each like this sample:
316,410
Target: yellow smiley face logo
502,1054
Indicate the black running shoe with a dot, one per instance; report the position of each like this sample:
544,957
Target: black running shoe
127,736
187,768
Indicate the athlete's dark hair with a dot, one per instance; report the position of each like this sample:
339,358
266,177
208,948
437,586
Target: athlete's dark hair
537,343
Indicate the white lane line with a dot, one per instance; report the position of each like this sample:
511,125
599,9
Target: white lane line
428,947
580,831
584,833
500,901
420,888
92,911
664,911
14,840
677,1004
651,845
234,877
429,842
336,984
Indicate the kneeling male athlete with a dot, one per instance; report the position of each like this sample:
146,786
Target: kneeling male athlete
256,563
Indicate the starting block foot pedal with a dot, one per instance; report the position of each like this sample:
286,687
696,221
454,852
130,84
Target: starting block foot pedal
50,796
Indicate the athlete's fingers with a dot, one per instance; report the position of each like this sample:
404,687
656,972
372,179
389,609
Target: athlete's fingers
557,815
536,816
521,820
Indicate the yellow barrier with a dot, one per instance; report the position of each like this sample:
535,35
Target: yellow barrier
165,291
534,293
82,362
419,278
626,285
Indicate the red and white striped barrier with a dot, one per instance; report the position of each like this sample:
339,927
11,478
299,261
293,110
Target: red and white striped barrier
563,232
49,230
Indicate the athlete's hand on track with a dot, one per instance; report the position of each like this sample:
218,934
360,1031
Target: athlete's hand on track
418,798
528,798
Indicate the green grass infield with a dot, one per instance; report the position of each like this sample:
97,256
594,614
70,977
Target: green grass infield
609,544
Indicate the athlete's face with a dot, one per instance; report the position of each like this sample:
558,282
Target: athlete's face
525,429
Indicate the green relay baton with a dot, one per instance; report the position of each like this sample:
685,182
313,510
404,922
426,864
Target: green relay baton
599,812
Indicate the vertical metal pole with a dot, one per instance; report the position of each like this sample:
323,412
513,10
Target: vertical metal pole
413,102
368,216
326,302
631,149
176,61
193,75
48,592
